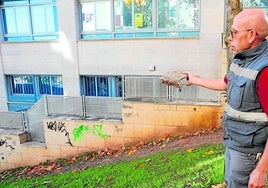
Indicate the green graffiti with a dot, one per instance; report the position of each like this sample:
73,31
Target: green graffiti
96,129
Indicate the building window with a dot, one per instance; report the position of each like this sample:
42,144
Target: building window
29,20
101,86
133,15
34,85
50,85
20,85
24,90
97,16
254,3
139,18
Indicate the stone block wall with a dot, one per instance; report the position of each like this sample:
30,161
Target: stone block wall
141,121
151,120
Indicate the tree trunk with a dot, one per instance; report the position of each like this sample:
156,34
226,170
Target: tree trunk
233,8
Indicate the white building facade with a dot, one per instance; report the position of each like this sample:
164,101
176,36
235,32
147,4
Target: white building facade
91,47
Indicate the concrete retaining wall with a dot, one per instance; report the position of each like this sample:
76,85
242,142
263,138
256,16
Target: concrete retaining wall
141,121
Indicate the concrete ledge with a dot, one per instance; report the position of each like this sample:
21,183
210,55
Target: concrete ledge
34,144
92,119
11,131
177,102
22,135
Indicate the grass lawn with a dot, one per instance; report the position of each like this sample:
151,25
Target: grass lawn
196,167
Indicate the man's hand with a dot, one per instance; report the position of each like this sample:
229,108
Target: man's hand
174,78
257,179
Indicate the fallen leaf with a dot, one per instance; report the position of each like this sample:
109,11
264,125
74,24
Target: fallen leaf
166,137
209,152
185,142
141,144
223,185
148,160
197,133
163,146
109,178
190,150
165,159
131,152
72,160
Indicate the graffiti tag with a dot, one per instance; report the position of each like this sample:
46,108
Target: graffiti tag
4,143
60,126
96,129
117,129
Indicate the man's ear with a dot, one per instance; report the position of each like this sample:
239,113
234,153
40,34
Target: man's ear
252,36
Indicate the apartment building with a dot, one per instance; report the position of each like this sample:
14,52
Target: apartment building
108,48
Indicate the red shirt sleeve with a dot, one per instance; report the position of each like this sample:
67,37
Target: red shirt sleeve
225,79
262,89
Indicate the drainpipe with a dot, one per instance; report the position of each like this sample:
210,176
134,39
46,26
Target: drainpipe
84,106
46,105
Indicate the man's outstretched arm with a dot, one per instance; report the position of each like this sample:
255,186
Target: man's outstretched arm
210,83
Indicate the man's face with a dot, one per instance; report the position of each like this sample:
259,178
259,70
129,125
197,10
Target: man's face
239,40
239,37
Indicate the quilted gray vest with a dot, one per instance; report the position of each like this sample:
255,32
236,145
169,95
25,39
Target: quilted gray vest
244,122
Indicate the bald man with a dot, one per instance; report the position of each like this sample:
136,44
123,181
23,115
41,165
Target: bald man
245,118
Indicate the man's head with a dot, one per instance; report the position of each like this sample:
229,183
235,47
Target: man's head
249,29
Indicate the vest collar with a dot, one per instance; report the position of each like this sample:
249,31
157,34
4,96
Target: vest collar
252,53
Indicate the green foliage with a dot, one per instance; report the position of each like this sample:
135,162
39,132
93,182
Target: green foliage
255,3
96,129
195,167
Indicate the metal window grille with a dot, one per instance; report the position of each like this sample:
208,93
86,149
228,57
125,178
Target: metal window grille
21,85
149,88
101,86
51,85
144,87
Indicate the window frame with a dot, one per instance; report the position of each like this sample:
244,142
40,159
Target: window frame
30,35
